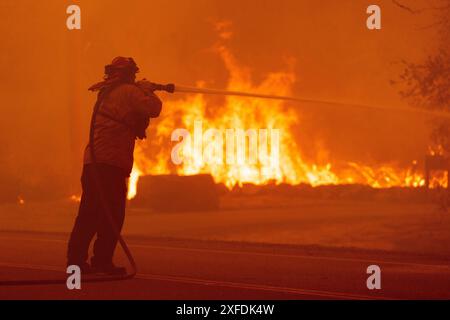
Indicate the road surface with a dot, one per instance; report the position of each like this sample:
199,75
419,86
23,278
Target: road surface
192,269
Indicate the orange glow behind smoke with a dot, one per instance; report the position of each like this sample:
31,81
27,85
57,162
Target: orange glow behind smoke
248,113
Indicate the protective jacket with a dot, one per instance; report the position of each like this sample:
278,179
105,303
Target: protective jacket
122,111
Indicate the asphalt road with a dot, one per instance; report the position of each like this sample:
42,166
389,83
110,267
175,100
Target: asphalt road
191,269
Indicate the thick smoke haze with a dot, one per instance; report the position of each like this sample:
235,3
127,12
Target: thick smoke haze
46,70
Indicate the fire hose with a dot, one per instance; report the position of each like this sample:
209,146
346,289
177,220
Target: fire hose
171,88
184,89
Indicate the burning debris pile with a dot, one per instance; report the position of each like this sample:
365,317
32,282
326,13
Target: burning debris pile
165,193
173,193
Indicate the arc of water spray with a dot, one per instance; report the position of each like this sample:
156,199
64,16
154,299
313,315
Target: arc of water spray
185,89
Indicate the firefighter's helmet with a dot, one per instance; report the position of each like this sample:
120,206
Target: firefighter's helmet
121,65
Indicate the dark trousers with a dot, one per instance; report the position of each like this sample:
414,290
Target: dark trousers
92,219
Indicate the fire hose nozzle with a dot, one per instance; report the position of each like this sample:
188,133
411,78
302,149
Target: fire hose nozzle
165,87
145,84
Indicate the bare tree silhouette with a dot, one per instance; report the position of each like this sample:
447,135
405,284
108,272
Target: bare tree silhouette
427,84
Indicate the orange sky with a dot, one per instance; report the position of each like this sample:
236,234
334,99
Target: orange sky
46,69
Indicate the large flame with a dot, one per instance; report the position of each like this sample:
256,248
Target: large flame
154,156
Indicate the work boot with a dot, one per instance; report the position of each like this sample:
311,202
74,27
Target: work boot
108,268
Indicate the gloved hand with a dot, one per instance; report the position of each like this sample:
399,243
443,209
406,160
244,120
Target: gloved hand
138,123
